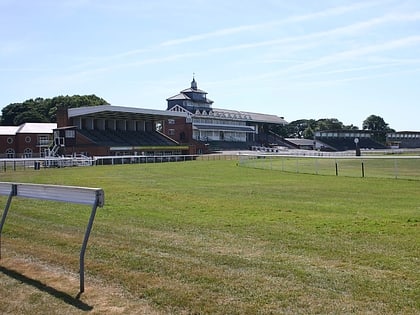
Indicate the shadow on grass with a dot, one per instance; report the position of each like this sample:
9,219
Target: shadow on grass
50,290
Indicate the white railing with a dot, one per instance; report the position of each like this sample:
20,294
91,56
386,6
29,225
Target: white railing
135,159
384,166
37,163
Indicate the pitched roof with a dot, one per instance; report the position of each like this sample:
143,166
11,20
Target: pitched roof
8,130
179,97
27,128
37,128
193,91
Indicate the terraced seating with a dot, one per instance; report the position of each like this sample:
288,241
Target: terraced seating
127,138
344,144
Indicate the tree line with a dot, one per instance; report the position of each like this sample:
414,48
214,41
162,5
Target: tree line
44,110
306,128
40,110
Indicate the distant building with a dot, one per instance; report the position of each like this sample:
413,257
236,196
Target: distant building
403,139
343,140
221,127
304,144
27,140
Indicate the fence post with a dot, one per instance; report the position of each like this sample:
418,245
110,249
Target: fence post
395,168
363,170
84,245
13,191
336,168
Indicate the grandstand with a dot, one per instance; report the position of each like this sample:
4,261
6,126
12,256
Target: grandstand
219,128
343,140
403,139
114,130
127,138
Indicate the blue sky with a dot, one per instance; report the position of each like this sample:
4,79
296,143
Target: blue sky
297,59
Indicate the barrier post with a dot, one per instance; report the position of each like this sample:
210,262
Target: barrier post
79,195
6,210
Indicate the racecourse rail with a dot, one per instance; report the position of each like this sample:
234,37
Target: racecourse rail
401,164
383,166
93,197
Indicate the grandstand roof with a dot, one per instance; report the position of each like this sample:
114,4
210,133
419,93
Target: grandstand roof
257,117
121,112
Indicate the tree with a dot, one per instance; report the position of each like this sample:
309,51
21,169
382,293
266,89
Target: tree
300,128
378,126
44,110
30,116
329,124
10,112
305,128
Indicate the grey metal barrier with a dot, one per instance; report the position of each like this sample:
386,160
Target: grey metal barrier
71,194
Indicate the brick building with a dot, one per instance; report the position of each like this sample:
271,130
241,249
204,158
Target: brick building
115,131
27,140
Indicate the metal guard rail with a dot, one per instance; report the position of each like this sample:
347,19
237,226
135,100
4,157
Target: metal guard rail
80,195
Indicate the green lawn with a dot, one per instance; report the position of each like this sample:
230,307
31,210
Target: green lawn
210,237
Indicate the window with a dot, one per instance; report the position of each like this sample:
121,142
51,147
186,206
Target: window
171,121
28,139
70,134
171,132
27,153
10,153
44,140
9,140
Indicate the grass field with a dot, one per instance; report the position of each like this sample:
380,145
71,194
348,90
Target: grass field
209,237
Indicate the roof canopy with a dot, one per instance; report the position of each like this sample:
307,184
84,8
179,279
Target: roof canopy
119,112
249,116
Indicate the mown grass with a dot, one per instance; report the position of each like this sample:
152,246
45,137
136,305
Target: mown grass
209,237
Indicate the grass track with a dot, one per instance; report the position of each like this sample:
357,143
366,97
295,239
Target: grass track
214,238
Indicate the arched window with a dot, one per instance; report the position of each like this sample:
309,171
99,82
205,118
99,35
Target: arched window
27,153
10,153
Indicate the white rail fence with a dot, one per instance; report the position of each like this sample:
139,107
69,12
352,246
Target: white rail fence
383,166
37,163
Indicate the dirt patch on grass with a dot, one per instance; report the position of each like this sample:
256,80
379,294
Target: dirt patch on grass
28,286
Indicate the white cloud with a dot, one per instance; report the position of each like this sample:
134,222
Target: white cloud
293,19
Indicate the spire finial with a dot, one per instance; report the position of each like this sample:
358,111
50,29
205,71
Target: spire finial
193,83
